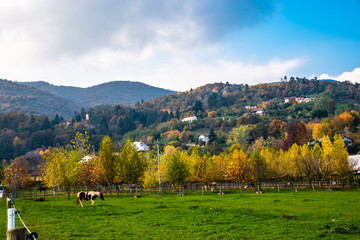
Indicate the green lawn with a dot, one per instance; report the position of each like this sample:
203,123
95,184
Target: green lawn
309,215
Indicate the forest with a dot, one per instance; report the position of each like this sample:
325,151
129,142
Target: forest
222,113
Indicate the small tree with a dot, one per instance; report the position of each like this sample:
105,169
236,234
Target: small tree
131,163
16,176
107,160
177,169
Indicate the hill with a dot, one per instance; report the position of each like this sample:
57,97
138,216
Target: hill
111,93
15,97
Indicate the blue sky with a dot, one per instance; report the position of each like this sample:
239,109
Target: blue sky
177,44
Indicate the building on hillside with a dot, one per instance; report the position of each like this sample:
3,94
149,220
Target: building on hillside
65,123
300,99
36,176
189,119
141,146
87,158
249,107
259,111
203,138
355,160
348,142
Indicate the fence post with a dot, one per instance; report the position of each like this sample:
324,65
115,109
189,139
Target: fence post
16,234
10,213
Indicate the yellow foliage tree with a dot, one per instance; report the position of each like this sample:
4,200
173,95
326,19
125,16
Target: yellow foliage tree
238,169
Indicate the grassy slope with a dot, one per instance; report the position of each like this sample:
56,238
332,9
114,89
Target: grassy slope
234,215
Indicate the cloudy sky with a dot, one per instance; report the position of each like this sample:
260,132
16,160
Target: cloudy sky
178,44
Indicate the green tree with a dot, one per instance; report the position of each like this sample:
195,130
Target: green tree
241,135
177,169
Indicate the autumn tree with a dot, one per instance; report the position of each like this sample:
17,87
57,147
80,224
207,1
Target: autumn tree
197,165
16,176
277,128
91,173
107,160
341,165
326,127
307,164
151,173
238,169
131,163
258,167
327,157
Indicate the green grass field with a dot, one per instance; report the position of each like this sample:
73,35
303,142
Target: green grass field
308,215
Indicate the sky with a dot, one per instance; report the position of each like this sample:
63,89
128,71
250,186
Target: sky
178,44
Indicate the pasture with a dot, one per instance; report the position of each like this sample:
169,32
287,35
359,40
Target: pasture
272,215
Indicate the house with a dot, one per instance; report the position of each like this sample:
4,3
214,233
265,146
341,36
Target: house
259,111
348,142
249,107
141,146
355,160
87,158
203,138
300,99
36,176
65,123
189,119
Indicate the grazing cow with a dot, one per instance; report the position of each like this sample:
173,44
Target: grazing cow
88,196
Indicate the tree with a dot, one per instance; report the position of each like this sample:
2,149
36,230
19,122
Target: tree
327,158
319,113
212,136
258,166
151,173
324,128
62,167
341,165
277,128
307,164
241,135
131,163
91,173
197,165
16,176
107,160
198,106
2,174
238,167
51,168
176,168
330,106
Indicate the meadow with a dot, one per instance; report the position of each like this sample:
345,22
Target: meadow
272,215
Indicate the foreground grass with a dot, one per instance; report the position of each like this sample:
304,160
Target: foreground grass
272,215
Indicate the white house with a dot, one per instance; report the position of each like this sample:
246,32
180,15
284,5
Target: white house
355,160
141,146
203,138
189,119
259,111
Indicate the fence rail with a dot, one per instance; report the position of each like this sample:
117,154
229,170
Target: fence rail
34,193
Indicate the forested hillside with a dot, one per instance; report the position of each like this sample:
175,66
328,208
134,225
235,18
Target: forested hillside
15,97
225,111
111,93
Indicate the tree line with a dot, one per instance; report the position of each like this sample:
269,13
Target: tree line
77,165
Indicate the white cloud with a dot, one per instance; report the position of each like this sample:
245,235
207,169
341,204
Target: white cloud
353,76
170,44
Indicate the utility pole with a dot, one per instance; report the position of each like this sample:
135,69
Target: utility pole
157,141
